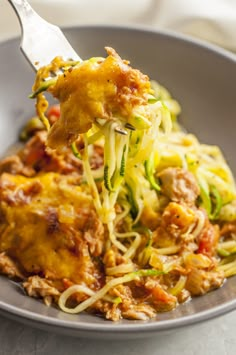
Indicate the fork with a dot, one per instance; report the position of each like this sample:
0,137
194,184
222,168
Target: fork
41,41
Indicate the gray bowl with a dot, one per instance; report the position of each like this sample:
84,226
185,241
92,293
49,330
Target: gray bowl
203,79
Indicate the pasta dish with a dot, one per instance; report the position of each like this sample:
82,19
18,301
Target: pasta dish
110,206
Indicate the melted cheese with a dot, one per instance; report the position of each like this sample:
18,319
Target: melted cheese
43,224
97,88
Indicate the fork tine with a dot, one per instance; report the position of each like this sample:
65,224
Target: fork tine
41,41
120,130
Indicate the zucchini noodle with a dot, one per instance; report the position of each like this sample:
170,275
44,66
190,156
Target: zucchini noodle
168,251
113,238
179,286
120,269
228,268
122,215
89,176
102,292
87,291
129,254
200,223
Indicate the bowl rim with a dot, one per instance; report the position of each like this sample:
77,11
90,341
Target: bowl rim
135,326
165,33
149,326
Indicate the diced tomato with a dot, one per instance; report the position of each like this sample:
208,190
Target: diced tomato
208,240
34,156
53,113
161,295
67,283
162,300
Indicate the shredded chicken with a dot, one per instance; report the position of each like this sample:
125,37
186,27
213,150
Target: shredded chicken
140,312
34,156
9,267
183,296
176,224
128,308
179,185
208,239
162,300
177,219
94,234
12,165
200,281
16,197
38,287
111,312
228,229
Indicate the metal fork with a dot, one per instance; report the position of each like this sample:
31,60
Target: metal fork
41,41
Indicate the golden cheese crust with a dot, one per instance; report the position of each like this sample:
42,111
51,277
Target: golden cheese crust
95,89
50,227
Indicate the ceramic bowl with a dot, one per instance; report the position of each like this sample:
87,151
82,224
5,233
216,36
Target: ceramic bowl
202,78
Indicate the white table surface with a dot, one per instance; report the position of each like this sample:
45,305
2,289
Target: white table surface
215,337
